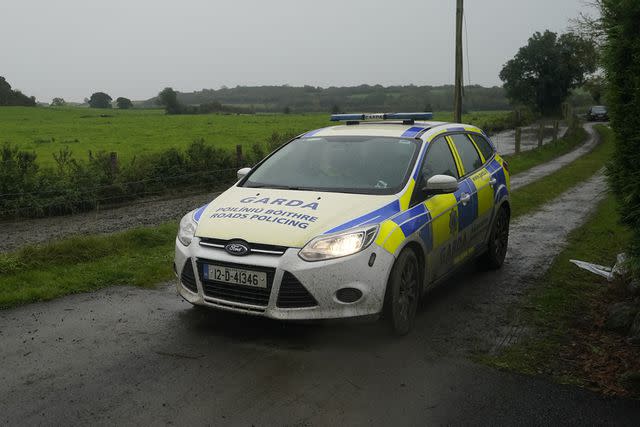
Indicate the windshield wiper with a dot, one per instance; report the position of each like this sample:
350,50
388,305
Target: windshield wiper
281,187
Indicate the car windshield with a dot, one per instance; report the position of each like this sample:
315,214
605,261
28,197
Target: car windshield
599,109
350,164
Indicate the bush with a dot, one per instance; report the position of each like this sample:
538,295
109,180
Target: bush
73,186
620,21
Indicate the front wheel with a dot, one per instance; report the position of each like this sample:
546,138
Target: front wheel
498,241
403,293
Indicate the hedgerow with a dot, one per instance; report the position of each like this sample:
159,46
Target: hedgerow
621,20
71,185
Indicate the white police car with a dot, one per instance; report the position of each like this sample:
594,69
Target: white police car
350,220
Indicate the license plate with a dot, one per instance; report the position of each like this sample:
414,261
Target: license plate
236,276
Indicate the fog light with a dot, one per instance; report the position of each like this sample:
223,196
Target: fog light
348,295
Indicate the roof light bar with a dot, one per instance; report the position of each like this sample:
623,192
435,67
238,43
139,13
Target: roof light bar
380,116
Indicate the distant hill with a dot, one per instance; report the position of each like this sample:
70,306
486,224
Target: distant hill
357,98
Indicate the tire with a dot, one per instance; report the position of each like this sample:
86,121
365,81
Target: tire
403,293
498,241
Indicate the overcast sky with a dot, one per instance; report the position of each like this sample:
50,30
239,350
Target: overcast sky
134,48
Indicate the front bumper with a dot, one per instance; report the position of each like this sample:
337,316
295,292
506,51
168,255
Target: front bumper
321,279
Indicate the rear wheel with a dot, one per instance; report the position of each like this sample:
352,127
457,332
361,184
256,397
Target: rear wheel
498,241
403,293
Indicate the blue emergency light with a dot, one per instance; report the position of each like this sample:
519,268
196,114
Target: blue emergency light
380,116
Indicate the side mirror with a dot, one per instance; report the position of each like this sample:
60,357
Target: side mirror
243,172
441,184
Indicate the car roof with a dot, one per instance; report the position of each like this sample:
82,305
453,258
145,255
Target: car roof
387,128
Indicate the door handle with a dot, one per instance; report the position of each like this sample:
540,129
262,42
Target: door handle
465,198
492,181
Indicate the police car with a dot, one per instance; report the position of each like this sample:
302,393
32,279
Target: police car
351,220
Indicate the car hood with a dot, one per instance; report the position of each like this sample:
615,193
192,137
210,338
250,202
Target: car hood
288,217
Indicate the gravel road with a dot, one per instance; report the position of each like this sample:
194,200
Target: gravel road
144,357
540,171
154,211
143,213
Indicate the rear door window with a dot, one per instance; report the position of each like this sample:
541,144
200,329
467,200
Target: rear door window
467,151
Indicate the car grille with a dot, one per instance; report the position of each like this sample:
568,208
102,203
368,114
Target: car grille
258,248
187,278
236,293
293,294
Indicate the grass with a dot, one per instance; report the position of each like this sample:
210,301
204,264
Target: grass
132,132
139,257
528,159
564,295
143,257
534,195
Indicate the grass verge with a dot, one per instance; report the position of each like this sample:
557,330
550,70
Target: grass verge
142,257
528,159
566,309
139,257
534,195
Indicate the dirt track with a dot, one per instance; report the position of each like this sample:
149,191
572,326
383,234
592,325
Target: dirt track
540,171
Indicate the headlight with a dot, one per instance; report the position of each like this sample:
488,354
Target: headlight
187,229
338,245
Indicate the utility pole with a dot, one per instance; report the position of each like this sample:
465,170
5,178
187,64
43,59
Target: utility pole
457,102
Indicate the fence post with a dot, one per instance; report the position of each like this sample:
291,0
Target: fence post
556,128
541,134
113,160
239,156
518,139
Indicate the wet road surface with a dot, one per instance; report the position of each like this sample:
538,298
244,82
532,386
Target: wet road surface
136,356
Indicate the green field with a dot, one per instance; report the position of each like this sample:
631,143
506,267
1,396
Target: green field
132,132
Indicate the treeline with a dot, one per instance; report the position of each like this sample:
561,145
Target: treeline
27,190
168,98
340,99
10,97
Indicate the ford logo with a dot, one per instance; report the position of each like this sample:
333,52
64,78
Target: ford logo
237,248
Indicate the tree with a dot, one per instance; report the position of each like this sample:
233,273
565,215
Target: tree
58,102
596,87
622,69
124,103
544,71
169,99
5,91
12,97
100,100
